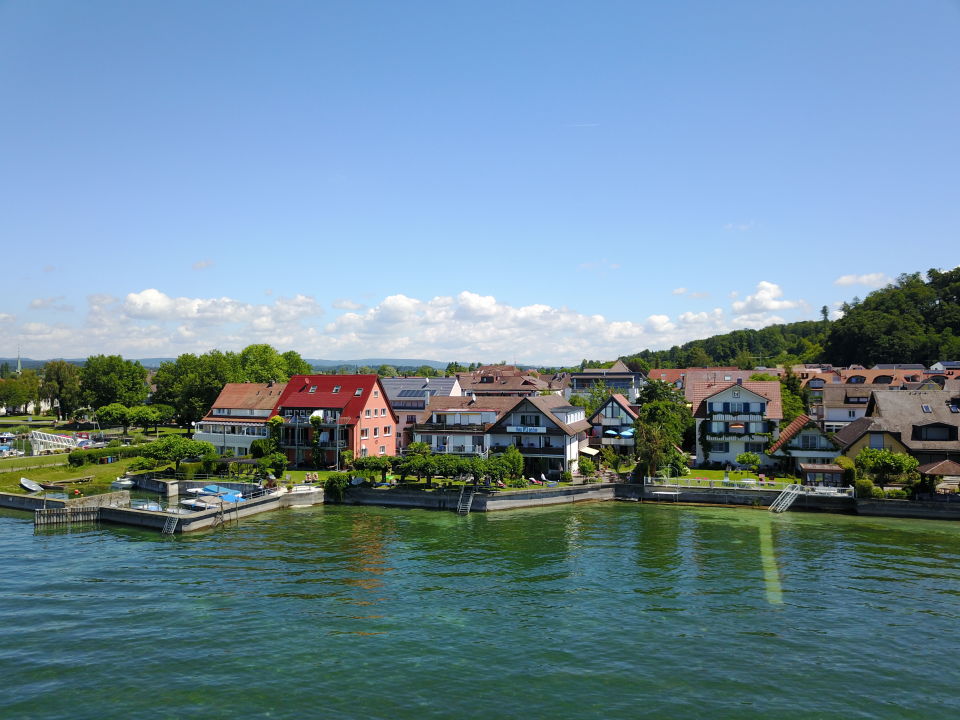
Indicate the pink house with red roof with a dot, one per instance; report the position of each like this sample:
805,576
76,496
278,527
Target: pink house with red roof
326,413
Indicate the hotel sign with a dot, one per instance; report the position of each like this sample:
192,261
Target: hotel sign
523,429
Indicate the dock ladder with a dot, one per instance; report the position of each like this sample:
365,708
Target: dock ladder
785,499
170,526
465,501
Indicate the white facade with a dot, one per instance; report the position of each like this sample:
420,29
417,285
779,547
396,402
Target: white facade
737,421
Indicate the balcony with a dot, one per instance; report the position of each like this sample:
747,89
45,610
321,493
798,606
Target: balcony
458,449
622,442
440,428
736,417
524,450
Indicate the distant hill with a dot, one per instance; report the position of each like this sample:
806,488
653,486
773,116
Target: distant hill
31,364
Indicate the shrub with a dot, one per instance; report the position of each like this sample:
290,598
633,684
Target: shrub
566,476
849,468
85,457
587,467
517,482
335,484
863,488
897,494
877,493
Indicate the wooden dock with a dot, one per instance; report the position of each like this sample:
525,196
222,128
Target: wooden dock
65,515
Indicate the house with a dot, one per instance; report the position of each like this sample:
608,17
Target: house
946,366
509,381
619,378
838,406
735,417
547,431
924,424
803,442
239,416
325,414
409,396
612,425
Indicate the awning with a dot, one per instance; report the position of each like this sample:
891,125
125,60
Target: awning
588,450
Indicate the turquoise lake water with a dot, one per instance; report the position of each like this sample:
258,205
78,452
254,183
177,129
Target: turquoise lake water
610,610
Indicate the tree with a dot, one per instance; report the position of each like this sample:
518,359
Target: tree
587,467
418,448
177,448
374,463
749,459
387,371
513,462
260,363
274,463
114,415
652,446
886,466
61,385
144,416
192,383
13,394
293,364
165,414
107,379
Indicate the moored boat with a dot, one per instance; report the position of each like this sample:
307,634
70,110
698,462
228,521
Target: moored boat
30,485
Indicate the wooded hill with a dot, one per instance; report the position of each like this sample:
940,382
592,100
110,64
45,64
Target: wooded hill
912,320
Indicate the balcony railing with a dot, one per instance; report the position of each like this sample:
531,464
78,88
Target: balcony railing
524,450
457,449
444,427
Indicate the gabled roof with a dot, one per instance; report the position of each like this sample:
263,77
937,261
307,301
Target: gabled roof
246,396
403,388
792,430
850,433
619,400
943,467
345,399
550,404
699,393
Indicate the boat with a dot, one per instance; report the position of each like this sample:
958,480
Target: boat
30,485
123,483
212,490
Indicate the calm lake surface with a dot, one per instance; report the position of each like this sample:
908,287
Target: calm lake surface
610,610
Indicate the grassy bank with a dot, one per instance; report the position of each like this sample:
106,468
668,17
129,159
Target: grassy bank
103,475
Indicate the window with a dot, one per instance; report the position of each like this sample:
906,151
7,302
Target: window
935,432
313,389
336,388
358,392
367,413
388,429
383,449
383,412
363,433
376,432
926,408
376,393
363,451
876,441
735,393
530,420
851,413
411,419
719,447
753,447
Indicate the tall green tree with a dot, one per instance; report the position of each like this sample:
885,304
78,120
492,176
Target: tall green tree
262,363
106,379
61,386
293,364
114,415
176,449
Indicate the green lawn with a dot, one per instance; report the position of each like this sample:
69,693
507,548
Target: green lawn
704,478
103,475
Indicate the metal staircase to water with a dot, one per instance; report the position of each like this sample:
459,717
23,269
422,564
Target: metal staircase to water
785,499
465,501
170,526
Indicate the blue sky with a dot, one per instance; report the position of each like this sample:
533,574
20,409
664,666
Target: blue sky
534,182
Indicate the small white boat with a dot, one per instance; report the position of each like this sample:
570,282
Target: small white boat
30,485
123,483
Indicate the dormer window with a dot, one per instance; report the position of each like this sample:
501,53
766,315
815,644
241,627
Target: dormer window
313,389
336,389
359,392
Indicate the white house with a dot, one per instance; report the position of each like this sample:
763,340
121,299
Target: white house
734,418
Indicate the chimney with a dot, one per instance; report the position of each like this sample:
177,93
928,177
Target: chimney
739,381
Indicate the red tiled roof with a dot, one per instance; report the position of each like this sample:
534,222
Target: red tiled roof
246,396
298,395
698,393
788,433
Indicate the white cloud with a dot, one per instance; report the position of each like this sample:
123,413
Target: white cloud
345,304
202,264
51,303
874,280
765,299
739,226
7,318
679,291
468,326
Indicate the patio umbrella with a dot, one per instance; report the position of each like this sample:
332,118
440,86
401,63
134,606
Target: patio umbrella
610,432
627,433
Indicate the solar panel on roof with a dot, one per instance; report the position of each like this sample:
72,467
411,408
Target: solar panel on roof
410,393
